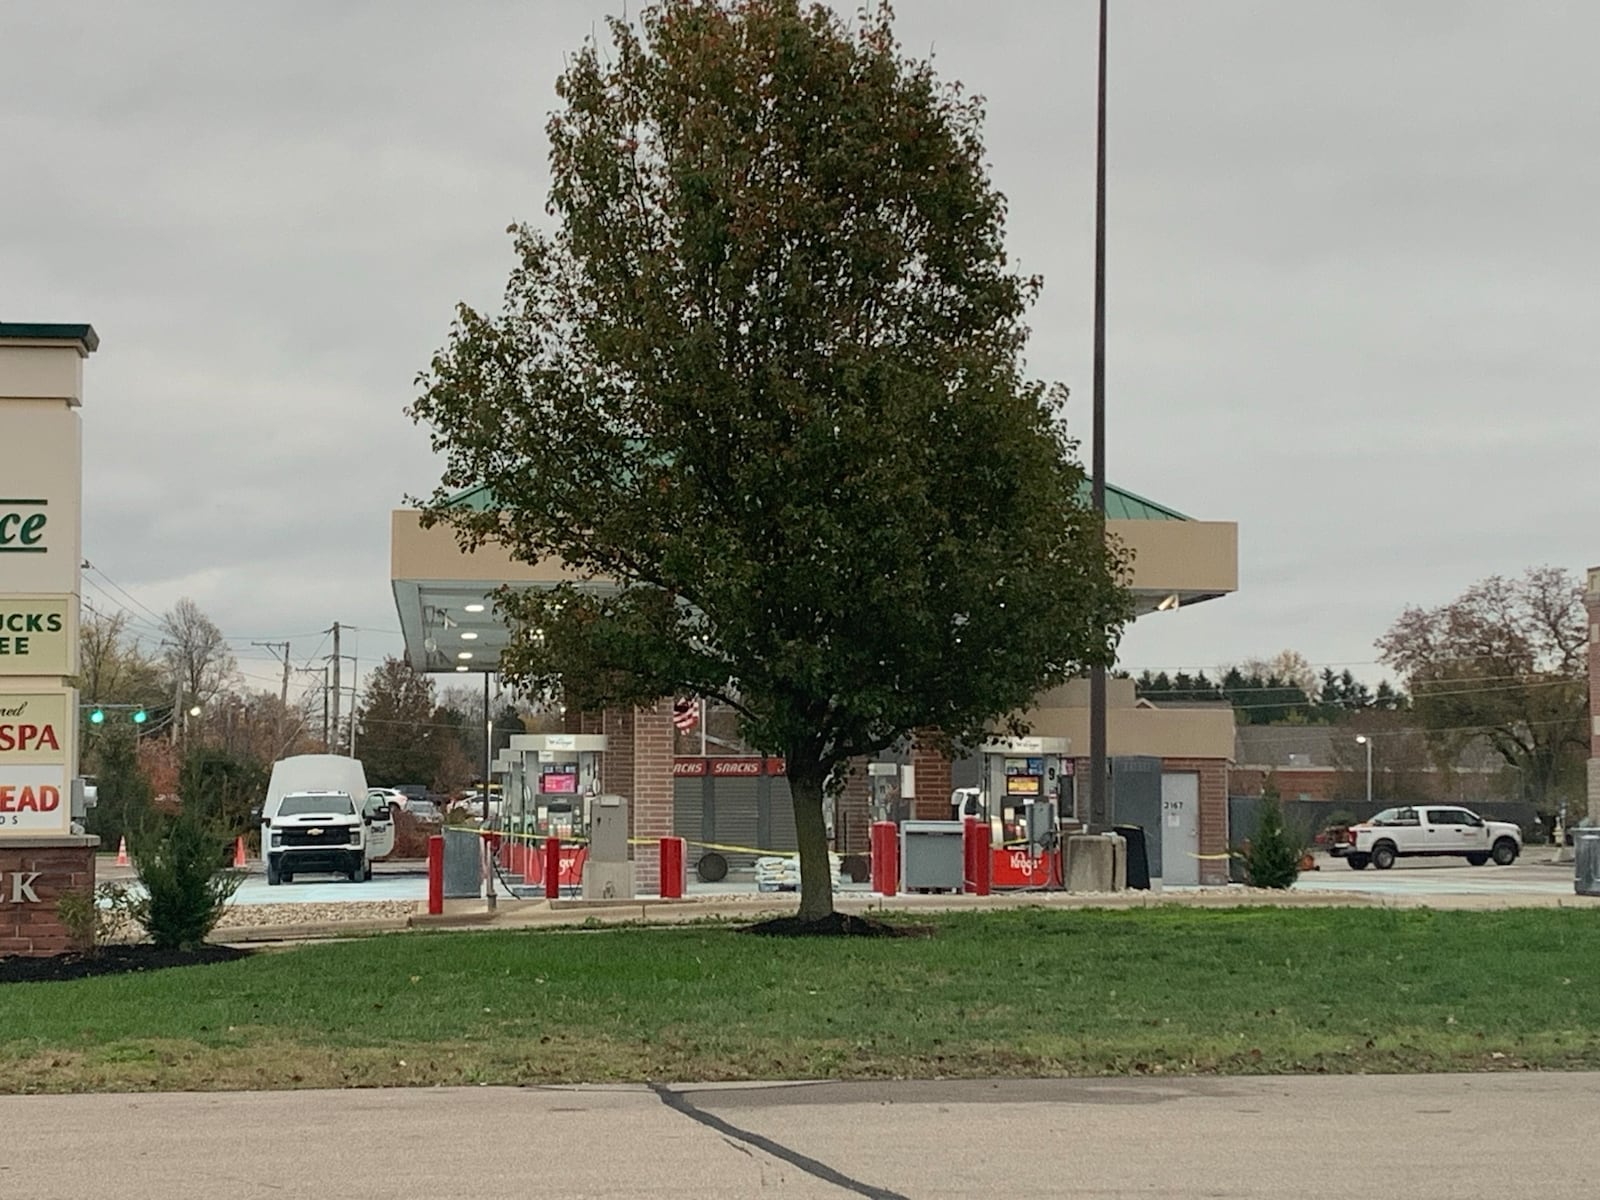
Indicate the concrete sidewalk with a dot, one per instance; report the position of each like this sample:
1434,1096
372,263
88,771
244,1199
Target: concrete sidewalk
1439,1137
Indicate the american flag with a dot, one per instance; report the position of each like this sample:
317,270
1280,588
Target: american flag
685,714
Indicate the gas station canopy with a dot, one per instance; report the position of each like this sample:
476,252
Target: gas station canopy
445,596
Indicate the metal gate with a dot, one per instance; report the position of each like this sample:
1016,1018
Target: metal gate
754,811
1180,829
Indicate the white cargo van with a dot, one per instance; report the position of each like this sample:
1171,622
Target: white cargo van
318,817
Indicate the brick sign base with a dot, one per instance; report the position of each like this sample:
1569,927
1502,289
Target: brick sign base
34,872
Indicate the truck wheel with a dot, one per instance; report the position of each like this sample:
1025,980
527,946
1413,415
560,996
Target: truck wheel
366,875
1358,862
1505,852
274,876
286,876
1383,856
354,874
1477,860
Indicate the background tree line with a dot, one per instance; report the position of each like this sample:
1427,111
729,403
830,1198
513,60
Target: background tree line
1502,666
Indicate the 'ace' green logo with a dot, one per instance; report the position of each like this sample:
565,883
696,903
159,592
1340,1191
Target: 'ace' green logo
22,525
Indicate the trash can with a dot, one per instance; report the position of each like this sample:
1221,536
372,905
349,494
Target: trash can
1586,860
1138,857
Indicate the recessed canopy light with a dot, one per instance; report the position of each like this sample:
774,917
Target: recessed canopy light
469,636
473,608
462,668
465,654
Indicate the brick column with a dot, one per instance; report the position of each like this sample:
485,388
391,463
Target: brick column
33,876
850,818
932,770
1591,600
616,765
652,790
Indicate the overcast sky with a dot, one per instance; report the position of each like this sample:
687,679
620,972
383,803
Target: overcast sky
1354,279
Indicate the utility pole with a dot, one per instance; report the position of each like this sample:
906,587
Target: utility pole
283,694
334,747
1099,809
325,710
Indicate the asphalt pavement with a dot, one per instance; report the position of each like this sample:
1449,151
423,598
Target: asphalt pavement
1532,875
1440,1137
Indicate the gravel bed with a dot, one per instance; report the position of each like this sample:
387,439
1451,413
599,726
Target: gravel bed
254,916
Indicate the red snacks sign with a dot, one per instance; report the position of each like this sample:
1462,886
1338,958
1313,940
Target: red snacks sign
727,767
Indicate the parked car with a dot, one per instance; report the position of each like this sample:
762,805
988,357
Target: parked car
1430,830
426,812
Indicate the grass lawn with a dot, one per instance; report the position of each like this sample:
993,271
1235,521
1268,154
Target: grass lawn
1172,990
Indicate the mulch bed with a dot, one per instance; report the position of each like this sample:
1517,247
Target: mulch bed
112,960
836,925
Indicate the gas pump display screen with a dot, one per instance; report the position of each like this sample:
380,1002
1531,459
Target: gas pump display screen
1022,785
559,783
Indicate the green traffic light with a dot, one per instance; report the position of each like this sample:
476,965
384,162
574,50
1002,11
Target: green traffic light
97,717
139,717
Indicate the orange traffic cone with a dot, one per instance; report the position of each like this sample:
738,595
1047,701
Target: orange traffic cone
122,853
238,852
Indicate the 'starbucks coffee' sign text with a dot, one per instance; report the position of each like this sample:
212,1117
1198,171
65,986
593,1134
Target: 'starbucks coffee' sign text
35,635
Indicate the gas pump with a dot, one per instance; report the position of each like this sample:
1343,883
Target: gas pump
1026,789
885,801
552,778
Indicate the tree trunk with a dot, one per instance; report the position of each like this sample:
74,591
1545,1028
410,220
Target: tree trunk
811,835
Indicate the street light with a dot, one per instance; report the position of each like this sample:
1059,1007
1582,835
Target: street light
1363,740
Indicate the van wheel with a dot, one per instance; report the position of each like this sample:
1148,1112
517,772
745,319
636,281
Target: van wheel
1383,856
1505,852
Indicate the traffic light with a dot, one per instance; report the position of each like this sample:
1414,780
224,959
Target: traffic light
139,716
98,716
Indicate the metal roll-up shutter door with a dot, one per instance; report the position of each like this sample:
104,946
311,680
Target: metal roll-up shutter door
687,807
737,818
783,834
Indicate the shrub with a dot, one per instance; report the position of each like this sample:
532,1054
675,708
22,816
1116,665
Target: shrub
179,860
1272,857
93,918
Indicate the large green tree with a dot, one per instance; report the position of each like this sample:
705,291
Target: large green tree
1505,659
762,374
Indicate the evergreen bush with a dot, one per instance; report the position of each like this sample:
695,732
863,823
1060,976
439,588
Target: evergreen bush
180,861
1272,857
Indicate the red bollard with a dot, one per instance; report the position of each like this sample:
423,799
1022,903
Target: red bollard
552,868
435,875
885,858
982,856
672,857
969,856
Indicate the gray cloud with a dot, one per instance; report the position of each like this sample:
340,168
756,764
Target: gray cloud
1351,293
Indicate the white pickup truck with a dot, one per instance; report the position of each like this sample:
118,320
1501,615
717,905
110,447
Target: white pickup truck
319,817
1430,829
